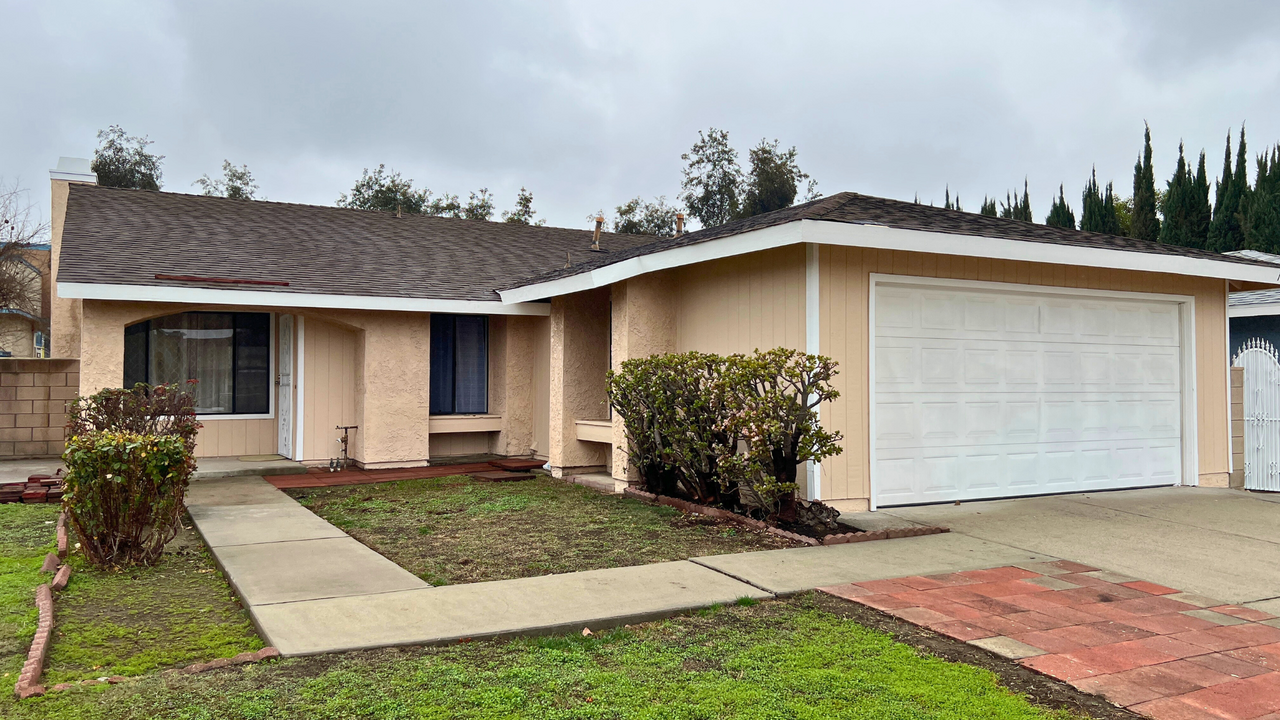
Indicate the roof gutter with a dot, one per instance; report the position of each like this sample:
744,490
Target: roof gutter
267,298
824,232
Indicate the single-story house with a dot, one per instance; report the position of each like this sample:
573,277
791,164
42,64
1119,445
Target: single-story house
979,357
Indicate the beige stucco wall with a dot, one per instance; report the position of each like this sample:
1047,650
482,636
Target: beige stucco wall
371,369
644,323
64,314
844,291
579,361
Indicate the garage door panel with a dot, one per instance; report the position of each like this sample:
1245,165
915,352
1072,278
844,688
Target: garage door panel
904,312
1001,394
918,364
907,420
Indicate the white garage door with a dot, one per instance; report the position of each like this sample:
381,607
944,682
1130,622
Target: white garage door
985,394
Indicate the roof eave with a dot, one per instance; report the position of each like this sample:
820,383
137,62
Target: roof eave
267,298
876,236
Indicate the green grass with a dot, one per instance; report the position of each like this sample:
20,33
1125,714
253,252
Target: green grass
135,621
115,622
456,530
781,659
26,535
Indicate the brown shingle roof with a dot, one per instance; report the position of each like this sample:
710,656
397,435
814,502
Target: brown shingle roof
117,236
127,237
854,208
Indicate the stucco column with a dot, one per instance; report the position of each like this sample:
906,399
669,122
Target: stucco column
512,349
644,324
393,386
64,313
579,361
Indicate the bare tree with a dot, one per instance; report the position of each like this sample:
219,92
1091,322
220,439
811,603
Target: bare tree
20,228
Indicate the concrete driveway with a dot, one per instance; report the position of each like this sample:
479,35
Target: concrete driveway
1224,544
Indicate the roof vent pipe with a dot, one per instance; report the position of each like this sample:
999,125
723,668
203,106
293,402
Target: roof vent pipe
595,237
679,224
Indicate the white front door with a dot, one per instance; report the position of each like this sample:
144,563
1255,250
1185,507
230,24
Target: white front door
983,393
284,383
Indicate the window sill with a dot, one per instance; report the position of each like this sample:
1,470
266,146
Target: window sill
600,431
260,416
464,423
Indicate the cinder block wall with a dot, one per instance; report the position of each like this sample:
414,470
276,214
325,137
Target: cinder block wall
1237,427
33,399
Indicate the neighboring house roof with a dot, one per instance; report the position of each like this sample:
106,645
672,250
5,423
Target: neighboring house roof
124,237
853,209
1252,302
1256,255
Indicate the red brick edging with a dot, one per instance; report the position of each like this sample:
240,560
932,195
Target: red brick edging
722,514
28,684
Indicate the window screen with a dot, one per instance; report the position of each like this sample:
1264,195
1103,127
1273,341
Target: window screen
459,364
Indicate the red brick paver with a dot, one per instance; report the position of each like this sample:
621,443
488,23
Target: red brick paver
1133,643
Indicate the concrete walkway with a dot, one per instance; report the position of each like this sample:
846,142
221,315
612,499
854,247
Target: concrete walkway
1220,543
310,588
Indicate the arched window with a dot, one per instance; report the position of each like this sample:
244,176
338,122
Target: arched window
228,354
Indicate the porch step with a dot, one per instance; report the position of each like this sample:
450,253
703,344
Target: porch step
501,476
220,467
517,464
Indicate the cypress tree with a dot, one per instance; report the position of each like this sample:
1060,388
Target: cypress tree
1177,226
1144,224
988,206
1260,209
1014,208
1199,211
1098,211
1060,214
952,205
1186,206
1225,233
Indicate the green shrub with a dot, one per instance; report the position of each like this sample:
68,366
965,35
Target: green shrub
129,456
726,430
772,400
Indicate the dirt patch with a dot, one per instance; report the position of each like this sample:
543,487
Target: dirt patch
455,530
1042,690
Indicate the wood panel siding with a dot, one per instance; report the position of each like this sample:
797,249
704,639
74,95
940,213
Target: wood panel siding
844,291
329,388
742,303
234,438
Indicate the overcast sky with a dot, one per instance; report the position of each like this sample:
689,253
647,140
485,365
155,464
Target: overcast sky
590,103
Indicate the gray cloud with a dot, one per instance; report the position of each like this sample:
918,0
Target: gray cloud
588,104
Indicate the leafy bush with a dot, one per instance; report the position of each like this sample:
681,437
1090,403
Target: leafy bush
726,430
773,398
129,457
142,409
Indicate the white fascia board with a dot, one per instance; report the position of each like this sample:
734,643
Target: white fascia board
217,296
1272,308
748,242
825,232
886,238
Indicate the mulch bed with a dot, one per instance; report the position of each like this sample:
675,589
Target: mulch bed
829,539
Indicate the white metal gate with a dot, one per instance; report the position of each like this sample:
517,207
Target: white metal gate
1261,414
